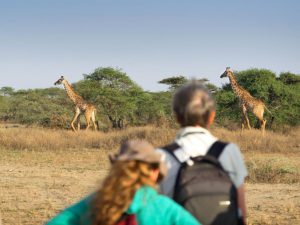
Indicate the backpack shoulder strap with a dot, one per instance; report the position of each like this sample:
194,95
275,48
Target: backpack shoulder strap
216,149
171,148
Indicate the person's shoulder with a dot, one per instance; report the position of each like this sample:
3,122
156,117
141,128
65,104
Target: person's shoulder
232,149
83,204
173,212
73,214
167,203
231,145
166,155
164,202
168,148
232,161
231,153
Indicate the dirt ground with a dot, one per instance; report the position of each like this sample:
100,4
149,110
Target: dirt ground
34,186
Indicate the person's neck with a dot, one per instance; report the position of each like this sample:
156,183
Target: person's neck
197,126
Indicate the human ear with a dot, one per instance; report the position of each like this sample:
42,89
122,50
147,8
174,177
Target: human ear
154,175
211,118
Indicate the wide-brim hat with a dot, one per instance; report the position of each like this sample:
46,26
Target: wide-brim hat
140,150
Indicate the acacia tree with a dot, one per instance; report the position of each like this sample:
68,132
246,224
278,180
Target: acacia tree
289,78
113,91
174,82
6,91
177,81
164,97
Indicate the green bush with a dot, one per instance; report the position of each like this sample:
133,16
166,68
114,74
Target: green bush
120,101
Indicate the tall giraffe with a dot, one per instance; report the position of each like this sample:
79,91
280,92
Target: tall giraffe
247,101
81,107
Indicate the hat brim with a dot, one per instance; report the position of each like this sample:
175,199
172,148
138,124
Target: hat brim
148,158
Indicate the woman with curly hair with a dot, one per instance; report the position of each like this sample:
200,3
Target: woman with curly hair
128,194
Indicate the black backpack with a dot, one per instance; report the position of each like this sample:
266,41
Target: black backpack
205,189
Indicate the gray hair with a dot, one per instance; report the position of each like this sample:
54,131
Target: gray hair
192,104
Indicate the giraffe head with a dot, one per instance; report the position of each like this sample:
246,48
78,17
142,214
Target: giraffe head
59,81
227,72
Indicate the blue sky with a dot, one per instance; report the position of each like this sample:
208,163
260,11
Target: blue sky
150,40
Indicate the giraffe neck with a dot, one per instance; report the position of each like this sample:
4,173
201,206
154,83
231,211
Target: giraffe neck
72,95
234,84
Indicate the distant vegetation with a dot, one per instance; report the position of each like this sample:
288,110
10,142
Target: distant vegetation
121,102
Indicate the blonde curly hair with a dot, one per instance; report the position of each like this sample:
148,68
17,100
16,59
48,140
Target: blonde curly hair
118,190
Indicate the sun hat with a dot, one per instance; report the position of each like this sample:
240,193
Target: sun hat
140,150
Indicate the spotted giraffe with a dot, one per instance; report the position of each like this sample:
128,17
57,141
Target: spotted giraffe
247,102
81,107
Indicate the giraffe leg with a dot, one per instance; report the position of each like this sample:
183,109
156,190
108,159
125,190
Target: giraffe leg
94,120
248,123
244,110
259,113
243,119
262,124
87,118
78,123
77,113
243,122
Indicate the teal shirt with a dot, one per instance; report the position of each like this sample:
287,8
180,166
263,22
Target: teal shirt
149,207
77,214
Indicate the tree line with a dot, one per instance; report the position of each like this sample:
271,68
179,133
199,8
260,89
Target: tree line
121,102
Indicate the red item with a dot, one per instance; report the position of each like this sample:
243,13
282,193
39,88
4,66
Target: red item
128,220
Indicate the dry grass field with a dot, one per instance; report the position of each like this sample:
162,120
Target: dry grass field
42,171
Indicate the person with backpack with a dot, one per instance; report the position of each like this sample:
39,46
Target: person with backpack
206,175
128,194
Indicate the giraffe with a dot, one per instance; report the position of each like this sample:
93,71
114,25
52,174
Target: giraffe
247,102
89,110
